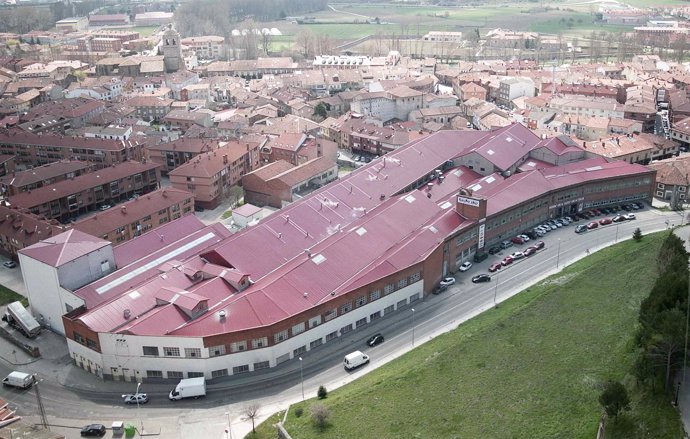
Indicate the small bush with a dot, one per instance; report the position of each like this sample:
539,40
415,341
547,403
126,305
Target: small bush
320,414
637,235
299,411
322,393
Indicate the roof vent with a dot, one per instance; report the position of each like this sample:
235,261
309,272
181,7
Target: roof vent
306,295
222,313
127,314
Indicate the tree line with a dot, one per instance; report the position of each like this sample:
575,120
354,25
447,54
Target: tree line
663,317
218,17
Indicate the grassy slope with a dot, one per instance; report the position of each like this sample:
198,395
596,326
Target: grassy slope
7,295
529,369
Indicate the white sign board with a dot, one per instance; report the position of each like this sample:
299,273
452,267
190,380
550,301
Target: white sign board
480,242
468,201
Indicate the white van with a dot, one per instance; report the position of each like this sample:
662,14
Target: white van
354,360
18,379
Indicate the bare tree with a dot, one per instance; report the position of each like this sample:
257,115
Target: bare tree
305,41
266,38
251,413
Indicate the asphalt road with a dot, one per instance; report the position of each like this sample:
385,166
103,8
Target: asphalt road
208,417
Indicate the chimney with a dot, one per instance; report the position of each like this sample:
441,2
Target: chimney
225,159
123,209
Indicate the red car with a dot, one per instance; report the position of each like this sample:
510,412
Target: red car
495,267
539,245
507,261
529,251
517,240
605,221
593,225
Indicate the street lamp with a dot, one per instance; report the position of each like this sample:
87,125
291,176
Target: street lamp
301,375
558,257
495,291
412,326
229,425
617,224
136,396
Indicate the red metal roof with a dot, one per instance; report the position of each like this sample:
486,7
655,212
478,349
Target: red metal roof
64,247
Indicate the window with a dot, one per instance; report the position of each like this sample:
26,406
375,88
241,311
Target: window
298,329
347,307
402,283
374,295
375,315
331,314
361,300
388,288
192,352
175,375
216,351
299,351
415,277
238,346
195,374
331,336
261,365
414,297
259,343
240,369
389,309
151,350
314,322
79,339
282,335
154,374
346,329
361,322
171,352
219,373
316,343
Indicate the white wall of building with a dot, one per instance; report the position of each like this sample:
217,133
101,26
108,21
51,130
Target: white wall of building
47,299
86,269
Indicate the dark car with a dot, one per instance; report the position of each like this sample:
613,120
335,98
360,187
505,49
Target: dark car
494,250
539,245
94,430
618,219
375,340
481,278
529,251
581,228
9,264
479,257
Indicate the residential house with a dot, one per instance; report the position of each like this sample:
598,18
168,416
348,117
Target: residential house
170,155
672,182
34,178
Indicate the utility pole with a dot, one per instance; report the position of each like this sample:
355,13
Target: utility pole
41,409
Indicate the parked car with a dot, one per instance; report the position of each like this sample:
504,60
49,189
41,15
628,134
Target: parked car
517,255
136,398
592,225
618,218
639,205
629,216
447,281
9,264
480,256
506,244
529,251
605,221
539,245
495,267
494,250
481,278
375,339
105,207
93,430
517,240
463,267
525,238
581,228
507,260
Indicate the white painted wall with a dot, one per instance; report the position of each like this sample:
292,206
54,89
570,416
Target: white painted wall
86,269
47,299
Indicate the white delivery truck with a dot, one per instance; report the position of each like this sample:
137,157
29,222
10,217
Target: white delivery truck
18,379
17,316
355,359
189,388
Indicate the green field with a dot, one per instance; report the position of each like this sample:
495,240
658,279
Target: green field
145,31
7,295
530,369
